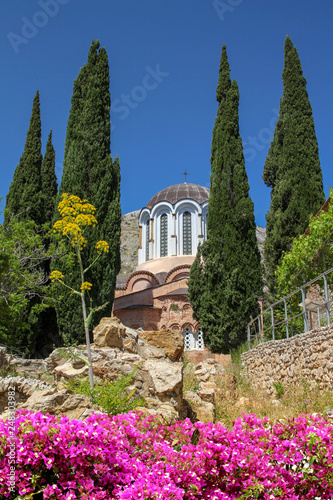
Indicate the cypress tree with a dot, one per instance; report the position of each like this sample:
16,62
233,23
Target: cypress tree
292,168
25,190
49,181
90,172
225,280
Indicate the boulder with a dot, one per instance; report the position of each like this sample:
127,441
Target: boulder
170,341
62,402
203,411
166,376
109,333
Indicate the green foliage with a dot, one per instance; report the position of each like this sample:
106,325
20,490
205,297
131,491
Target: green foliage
225,279
292,168
49,182
24,196
114,397
279,389
90,172
305,259
21,280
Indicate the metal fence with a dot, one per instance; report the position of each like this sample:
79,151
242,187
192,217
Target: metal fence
302,310
13,350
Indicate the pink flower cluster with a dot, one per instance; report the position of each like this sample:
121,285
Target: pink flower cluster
134,457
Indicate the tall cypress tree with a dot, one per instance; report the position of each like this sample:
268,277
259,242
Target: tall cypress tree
225,280
90,172
24,194
292,168
49,181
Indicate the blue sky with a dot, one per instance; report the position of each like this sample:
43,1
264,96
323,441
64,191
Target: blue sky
164,58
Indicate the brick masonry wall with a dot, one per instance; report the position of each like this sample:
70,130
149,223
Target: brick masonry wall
305,357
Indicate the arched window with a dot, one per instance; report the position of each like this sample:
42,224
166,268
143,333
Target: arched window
164,235
199,343
187,234
188,339
147,239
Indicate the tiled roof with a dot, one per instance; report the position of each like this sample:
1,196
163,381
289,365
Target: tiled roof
178,192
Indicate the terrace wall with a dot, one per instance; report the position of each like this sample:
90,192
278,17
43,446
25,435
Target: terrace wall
305,357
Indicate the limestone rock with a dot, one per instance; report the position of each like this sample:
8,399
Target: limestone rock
242,402
171,341
207,394
68,371
167,377
110,332
204,411
147,351
59,403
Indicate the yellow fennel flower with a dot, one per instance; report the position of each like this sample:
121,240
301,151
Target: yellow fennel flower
56,276
85,286
102,246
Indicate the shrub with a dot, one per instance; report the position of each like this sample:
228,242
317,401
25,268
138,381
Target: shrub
114,397
132,457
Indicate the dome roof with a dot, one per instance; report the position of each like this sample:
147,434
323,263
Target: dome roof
178,192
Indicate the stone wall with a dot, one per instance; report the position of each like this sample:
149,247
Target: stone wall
305,357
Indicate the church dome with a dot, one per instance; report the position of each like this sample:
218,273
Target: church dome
178,192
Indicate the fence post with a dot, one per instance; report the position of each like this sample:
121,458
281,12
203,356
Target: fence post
248,337
327,300
286,317
305,318
260,332
272,321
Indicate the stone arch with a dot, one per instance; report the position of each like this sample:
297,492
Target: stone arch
151,327
178,272
143,279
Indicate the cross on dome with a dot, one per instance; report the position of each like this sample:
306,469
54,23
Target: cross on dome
185,173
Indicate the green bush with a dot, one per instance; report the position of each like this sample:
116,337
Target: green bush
113,396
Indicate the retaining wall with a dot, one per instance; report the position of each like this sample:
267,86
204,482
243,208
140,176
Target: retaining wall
305,357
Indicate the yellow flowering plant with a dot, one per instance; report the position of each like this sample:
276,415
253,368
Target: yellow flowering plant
76,216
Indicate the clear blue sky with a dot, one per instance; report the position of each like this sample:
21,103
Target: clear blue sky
164,58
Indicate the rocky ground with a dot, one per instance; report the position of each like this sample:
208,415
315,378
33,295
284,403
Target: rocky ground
158,356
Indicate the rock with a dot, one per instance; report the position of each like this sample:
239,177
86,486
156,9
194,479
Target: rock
167,377
242,402
171,341
207,394
110,332
60,403
66,370
147,351
116,351
204,411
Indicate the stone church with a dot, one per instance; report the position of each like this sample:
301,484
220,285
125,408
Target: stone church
167,232
158,247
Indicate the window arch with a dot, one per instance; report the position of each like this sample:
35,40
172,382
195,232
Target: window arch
164,235
199,343
187,233
188,339
147,238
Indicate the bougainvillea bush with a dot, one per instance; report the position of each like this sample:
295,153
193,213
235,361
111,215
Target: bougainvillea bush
136,457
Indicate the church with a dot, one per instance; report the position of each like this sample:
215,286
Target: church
154,295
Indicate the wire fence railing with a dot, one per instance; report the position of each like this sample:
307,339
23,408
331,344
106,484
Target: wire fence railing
304,309
13,350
